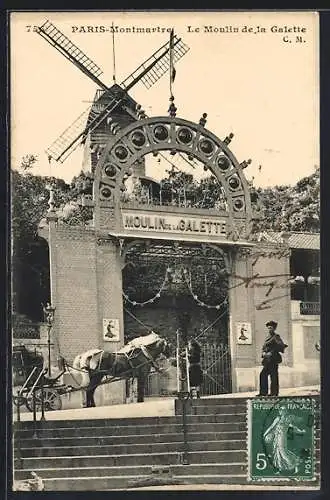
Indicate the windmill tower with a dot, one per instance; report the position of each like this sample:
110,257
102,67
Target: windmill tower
121,116
112,108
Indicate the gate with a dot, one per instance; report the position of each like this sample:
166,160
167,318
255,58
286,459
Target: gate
216,366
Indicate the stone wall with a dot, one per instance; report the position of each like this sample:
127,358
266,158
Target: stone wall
259,292
86,288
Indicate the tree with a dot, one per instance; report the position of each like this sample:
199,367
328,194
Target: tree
28,162
29,203
30,195
284,207
72,212
292,208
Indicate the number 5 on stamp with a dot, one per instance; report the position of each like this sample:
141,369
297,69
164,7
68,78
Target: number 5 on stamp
281,439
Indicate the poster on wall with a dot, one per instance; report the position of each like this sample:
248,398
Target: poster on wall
243,333
111,330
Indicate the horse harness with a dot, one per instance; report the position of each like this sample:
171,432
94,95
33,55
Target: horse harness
131,356
146,354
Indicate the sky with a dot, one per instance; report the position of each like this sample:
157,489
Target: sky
260,82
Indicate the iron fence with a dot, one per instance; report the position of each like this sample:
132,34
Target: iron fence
216,366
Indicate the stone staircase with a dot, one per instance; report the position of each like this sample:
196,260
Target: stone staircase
107,454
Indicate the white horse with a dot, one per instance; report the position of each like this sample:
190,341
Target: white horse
134,360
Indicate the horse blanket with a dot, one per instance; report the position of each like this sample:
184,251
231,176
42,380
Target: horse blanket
139,343
90,359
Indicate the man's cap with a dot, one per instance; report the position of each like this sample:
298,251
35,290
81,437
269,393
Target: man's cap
271,323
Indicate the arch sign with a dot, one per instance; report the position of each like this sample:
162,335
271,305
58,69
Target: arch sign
152,135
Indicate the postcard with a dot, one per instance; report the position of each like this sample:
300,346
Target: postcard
165,250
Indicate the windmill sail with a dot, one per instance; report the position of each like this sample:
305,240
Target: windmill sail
62,43
157,65
70,139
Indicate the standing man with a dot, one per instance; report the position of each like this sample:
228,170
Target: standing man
271,358
195,371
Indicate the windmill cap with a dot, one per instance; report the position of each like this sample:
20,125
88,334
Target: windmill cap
271,323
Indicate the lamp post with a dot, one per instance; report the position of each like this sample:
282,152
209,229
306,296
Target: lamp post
183,396
49,312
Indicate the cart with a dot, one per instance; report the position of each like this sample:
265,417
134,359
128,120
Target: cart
29,374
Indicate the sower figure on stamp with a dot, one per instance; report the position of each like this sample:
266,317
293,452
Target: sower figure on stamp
271,358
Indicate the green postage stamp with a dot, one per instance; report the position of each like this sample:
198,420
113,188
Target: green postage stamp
281,439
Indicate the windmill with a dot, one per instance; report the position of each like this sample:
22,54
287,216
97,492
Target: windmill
112,107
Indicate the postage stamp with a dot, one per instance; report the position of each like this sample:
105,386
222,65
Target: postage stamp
281,442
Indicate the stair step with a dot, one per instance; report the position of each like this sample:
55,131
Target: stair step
129,449
96,450
218,401
217,409
130,439
136,422
166,458
230,399
123,430
100,422
143,470
193,470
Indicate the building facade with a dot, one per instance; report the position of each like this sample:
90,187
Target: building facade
88,264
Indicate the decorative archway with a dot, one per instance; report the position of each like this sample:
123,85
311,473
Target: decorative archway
152,135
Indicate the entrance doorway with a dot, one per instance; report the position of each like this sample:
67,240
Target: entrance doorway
180,287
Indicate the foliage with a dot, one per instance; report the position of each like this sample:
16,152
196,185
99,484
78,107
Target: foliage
292,208
181,189
28,161
72,212
284,208
30,196
29,203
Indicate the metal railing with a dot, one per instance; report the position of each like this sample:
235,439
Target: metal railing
19,398
309,308
26,331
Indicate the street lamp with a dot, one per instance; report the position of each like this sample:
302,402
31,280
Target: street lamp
49,313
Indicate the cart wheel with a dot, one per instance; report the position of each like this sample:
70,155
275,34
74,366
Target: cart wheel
52,400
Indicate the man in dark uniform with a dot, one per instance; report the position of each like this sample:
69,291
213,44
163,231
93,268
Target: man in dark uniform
271,358
195,371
